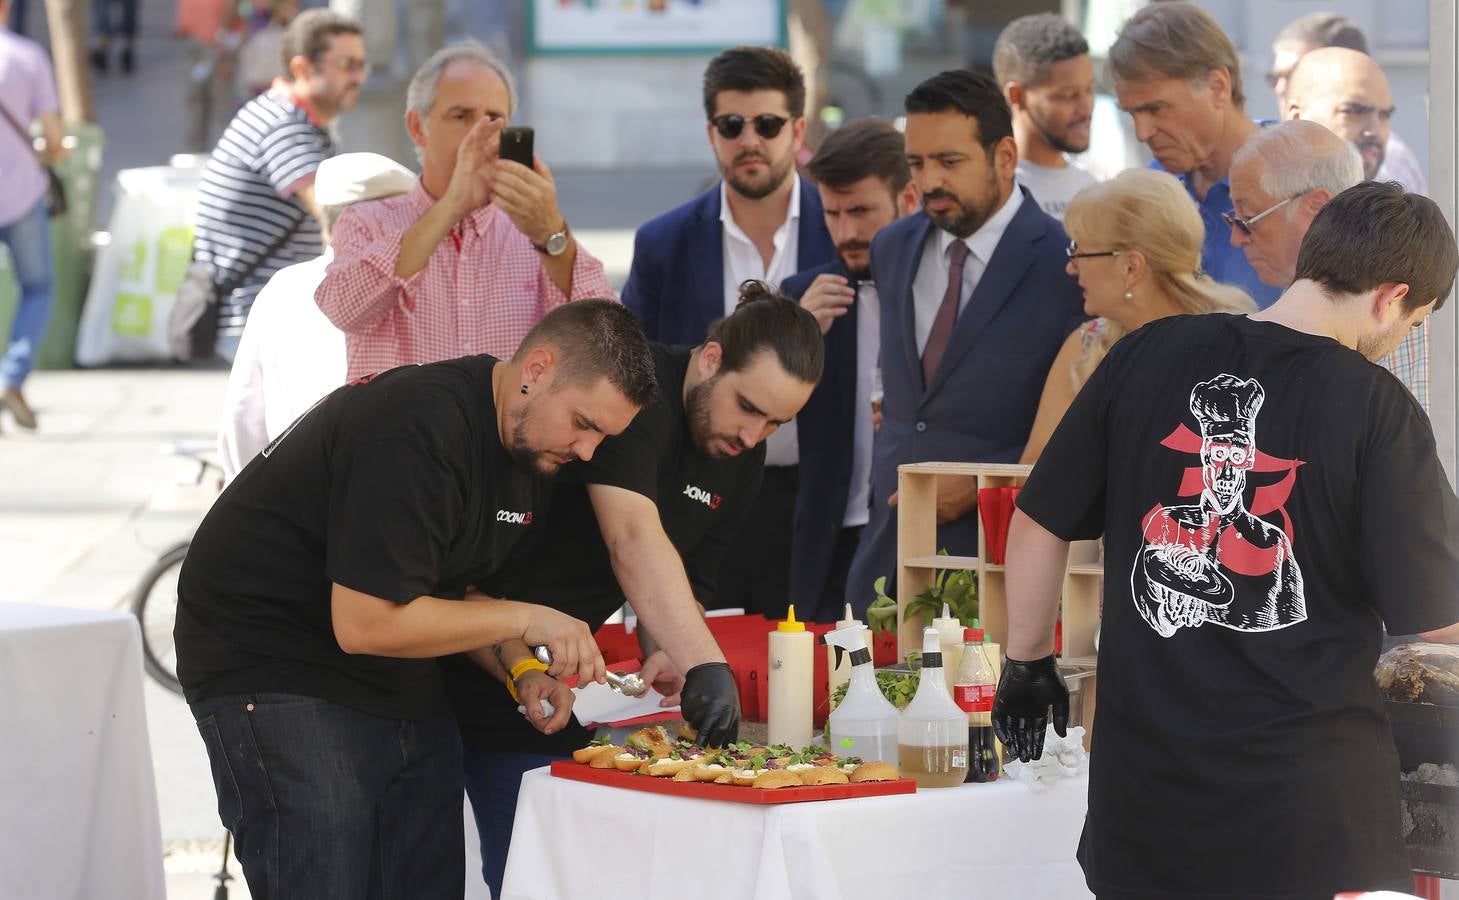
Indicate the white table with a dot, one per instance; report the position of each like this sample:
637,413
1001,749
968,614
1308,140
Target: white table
78,804
573,840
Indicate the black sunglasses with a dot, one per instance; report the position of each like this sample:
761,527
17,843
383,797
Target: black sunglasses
1073,252
1245,226
766,125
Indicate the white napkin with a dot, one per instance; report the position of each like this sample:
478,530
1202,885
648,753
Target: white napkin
598,704
1064,757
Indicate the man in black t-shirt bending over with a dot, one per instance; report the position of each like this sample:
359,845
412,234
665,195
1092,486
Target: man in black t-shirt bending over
682,480
341,561
1270,500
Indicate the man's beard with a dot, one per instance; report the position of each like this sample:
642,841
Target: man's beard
861,273
757,190
1058,142
967,218
701,429
1380,150
1379,344
532,462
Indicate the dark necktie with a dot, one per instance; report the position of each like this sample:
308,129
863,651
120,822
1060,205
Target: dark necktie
946,313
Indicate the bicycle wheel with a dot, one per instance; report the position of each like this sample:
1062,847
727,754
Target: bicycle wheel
155,606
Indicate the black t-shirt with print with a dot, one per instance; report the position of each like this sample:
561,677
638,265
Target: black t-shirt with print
397,487
702,503
1269,500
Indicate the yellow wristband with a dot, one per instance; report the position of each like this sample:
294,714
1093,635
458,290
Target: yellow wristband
530,664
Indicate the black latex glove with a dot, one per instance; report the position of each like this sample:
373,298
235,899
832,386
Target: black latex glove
710,702
1021,707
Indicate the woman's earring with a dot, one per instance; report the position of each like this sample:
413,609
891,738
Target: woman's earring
1128,296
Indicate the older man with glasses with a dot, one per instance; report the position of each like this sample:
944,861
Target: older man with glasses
471,258
1280,179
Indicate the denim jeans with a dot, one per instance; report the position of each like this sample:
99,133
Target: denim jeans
325,801
29,240
492,782
104,24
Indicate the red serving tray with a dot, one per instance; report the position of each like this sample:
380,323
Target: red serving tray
705,790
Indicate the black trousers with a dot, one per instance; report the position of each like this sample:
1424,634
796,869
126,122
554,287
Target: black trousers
834,596
755,574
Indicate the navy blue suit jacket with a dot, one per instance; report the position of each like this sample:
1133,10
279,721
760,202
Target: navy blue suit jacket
980,404
825,424
676,283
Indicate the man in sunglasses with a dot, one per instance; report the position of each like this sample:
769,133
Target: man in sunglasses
762,222
1280,179
1179,77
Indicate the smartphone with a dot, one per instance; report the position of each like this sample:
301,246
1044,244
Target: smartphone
516,145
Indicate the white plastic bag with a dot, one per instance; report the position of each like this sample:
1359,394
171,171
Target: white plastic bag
137,274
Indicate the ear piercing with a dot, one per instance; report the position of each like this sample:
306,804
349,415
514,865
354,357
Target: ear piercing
524,389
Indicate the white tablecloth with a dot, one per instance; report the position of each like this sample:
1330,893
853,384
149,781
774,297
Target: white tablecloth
574,840
78,804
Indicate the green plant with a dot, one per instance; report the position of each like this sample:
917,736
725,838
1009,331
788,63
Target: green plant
898,687
881,615
956,588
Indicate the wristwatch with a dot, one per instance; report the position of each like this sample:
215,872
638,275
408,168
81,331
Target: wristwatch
555,244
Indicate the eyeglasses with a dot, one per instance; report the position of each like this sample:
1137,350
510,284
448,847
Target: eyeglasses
1245,225
348,64
767,126
1073,252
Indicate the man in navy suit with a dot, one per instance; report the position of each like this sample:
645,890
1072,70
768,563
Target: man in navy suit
862,177
975,304
763,221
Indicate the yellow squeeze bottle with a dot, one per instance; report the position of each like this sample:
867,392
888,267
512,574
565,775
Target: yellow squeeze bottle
791,682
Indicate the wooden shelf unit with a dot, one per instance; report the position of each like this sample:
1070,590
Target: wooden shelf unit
917,558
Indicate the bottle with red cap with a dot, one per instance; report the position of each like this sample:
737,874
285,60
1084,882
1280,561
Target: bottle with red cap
973,691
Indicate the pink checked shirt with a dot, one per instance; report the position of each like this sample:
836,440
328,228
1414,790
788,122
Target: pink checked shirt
482,291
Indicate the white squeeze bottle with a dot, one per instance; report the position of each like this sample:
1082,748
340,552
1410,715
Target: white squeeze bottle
950,642
932,734
792,682
865,724
840,670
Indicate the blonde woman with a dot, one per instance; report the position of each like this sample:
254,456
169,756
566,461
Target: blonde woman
1136,250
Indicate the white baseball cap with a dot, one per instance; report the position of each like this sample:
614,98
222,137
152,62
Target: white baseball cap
353,177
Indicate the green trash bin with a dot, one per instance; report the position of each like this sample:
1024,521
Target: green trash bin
70,253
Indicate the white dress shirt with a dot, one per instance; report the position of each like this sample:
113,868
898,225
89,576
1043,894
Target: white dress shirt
290,355
868,346
931,281
742,261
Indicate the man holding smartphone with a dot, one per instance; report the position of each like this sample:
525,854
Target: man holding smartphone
473,257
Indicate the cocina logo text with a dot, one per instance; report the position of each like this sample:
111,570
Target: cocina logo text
514,518
702,496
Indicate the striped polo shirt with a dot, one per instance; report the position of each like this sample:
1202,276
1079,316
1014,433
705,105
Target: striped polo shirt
247,199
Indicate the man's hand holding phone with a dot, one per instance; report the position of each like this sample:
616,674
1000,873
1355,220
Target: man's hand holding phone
529,198
472,181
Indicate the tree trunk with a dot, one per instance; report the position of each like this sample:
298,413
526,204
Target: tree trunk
68,21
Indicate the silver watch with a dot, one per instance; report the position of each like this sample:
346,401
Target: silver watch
555,244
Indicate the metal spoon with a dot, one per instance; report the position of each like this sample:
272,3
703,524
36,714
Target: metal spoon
628,685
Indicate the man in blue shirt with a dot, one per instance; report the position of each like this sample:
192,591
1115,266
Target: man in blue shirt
1178,76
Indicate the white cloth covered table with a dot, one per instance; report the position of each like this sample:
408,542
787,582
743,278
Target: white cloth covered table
78,803
573,840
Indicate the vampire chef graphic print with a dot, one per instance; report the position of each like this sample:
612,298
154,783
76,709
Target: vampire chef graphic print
1214,560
